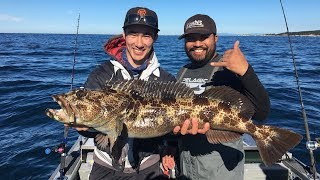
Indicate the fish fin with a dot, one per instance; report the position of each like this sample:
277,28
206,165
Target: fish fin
108,140
102,142
112,141
231,98
120,152
117,151
220,136
274,144
152,89
105,142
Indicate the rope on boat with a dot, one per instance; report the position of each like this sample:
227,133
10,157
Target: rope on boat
313,163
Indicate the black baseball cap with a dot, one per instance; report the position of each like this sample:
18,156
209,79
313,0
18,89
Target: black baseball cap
141,16
199,24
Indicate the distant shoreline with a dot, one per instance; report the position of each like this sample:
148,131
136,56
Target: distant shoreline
300,33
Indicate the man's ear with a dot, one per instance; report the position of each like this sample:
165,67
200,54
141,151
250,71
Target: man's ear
156,37
123,35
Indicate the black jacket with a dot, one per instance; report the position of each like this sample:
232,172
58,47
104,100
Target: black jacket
115,70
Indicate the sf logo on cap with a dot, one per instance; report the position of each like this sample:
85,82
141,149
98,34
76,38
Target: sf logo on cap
142,12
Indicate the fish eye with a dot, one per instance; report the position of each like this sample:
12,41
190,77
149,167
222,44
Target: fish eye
80,93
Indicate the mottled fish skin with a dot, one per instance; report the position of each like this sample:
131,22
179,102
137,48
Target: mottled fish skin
96,109
152,109
158,117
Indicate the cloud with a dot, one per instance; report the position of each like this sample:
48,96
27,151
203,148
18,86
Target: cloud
6,17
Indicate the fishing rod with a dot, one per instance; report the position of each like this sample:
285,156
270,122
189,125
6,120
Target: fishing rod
66,128
61,148
74,54
311,145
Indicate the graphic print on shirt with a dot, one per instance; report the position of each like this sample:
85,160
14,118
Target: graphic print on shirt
196,84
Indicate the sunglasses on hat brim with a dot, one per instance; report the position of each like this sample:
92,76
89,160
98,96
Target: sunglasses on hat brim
137,19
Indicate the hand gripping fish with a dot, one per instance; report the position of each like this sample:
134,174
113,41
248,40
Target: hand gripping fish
152,109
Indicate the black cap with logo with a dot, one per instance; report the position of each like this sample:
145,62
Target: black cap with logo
199,24
141,16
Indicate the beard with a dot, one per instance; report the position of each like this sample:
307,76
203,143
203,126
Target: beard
200,60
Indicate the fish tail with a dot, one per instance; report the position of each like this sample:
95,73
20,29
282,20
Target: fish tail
274,142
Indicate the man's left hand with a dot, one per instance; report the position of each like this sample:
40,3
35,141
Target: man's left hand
234,60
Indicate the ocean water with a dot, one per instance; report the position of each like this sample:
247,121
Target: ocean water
35,66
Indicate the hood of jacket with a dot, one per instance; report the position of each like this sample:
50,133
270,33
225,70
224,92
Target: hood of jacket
116,46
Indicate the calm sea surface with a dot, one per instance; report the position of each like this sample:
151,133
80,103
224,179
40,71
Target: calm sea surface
35,66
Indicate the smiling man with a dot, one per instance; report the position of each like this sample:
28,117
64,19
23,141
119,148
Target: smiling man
132,57
199,159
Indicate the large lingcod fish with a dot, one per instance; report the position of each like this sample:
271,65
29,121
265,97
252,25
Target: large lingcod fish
152,109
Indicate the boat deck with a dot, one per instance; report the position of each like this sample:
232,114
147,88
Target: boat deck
78,163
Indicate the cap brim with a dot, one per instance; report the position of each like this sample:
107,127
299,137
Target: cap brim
186,34
182,36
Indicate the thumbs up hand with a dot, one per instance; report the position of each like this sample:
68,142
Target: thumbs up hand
234,60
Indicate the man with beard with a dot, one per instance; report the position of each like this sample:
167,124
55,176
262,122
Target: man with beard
199,158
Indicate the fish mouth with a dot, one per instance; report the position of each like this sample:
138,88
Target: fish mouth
62,103
50,113
67,113
57,114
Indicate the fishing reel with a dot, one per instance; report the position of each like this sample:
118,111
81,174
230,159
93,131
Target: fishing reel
61,150
62,146
313,145
57,149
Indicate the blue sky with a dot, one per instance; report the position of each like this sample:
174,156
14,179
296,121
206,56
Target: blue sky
106,16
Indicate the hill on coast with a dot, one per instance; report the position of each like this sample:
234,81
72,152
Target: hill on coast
300,33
